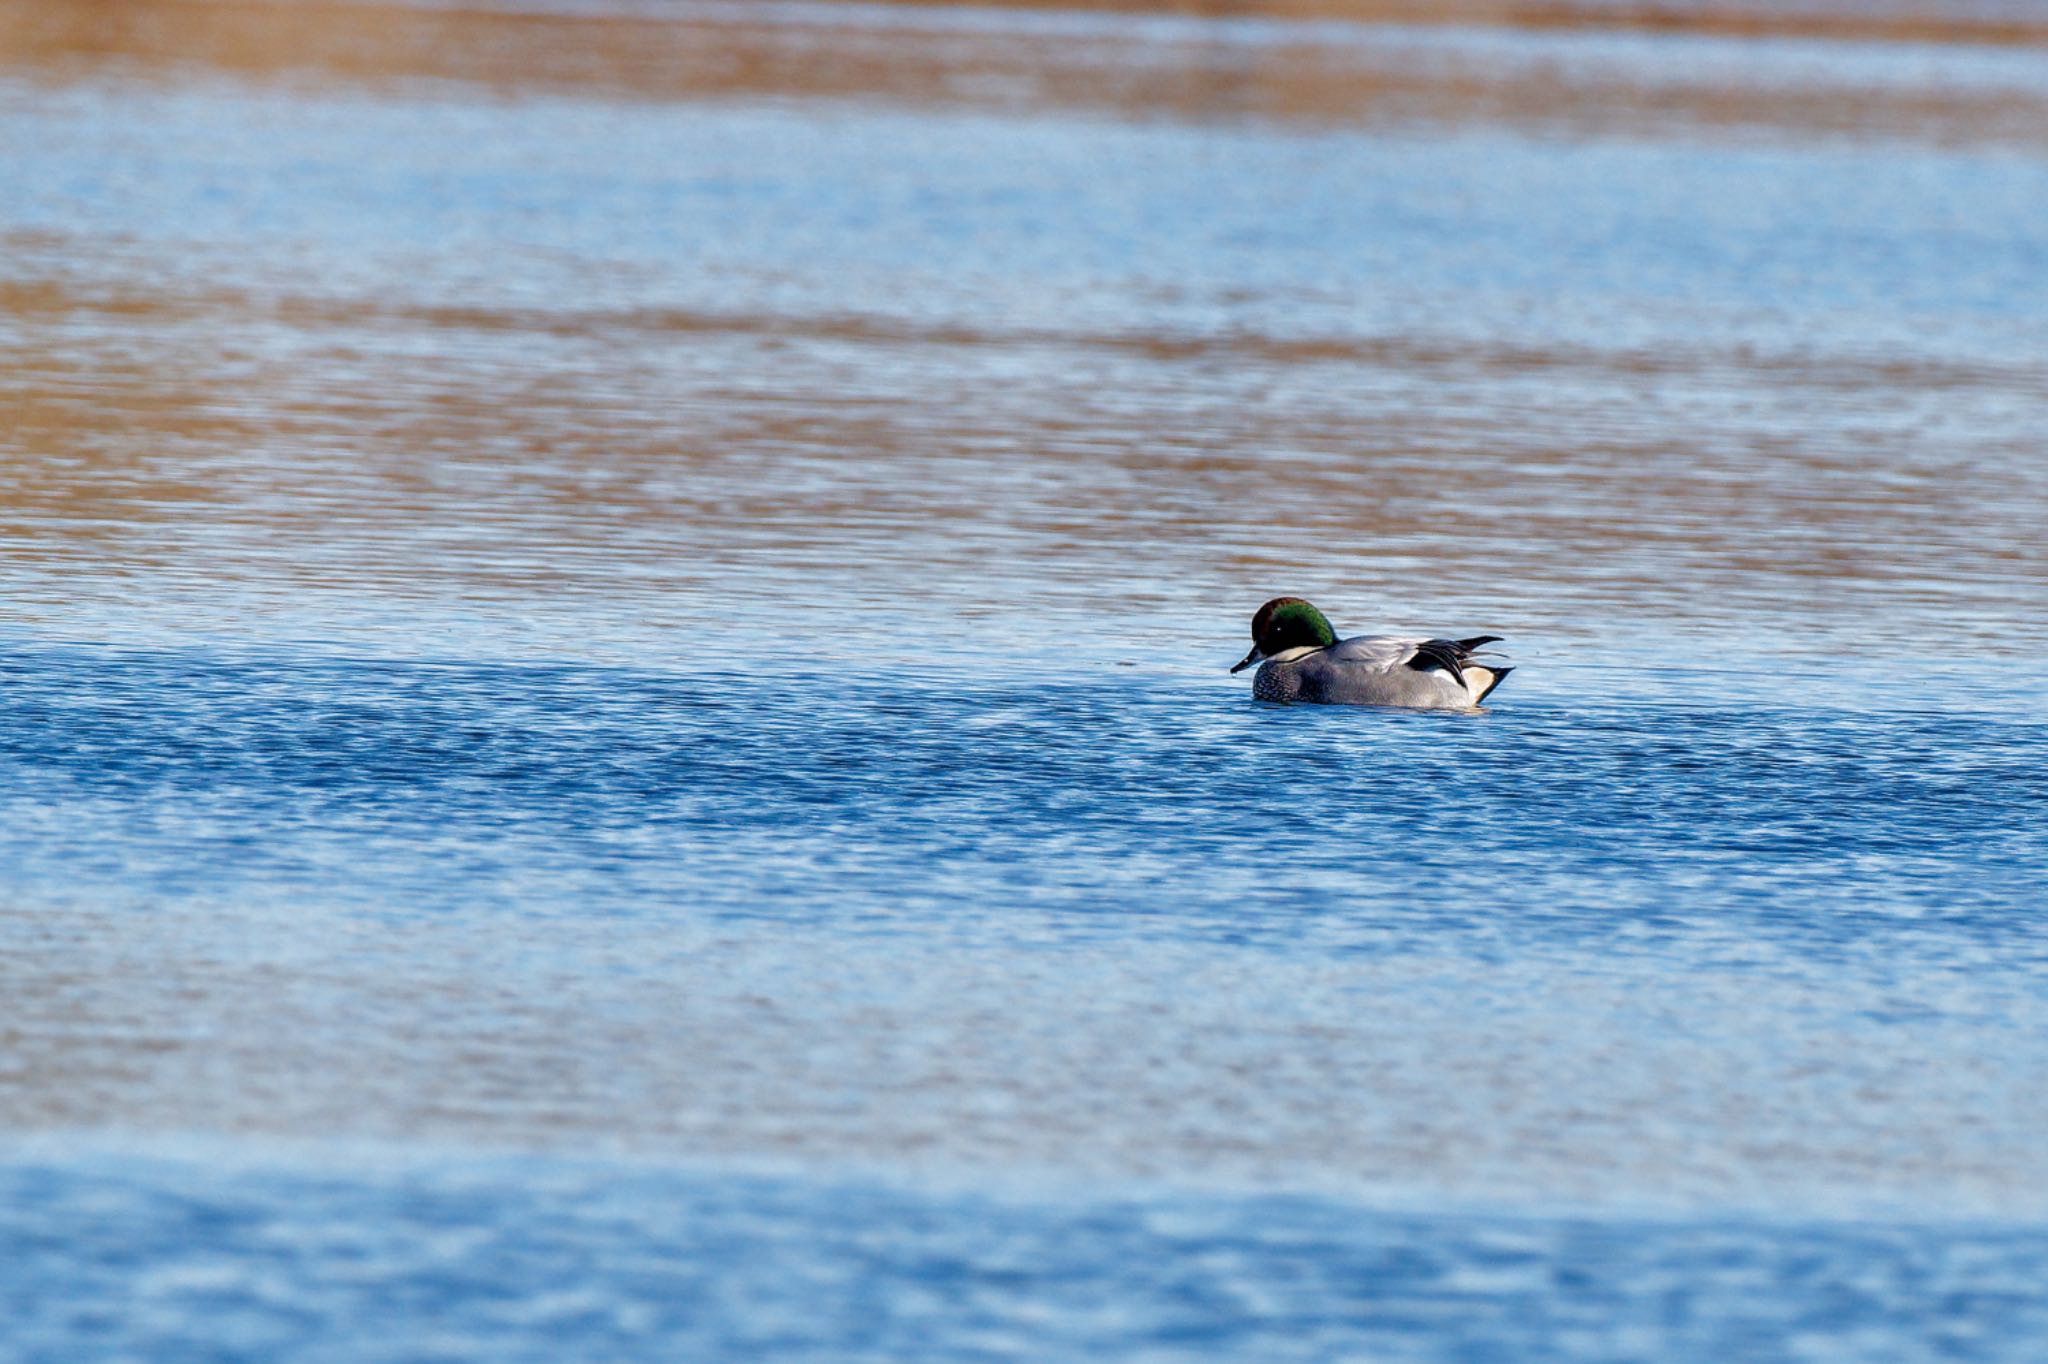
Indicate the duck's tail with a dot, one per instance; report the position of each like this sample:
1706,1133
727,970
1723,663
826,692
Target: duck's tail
1481,681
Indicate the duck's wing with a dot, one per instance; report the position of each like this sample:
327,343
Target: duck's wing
1374,653
1388,654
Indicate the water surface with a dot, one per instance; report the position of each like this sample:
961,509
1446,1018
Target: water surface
615,731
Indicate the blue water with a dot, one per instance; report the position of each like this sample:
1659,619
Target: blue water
1705,1024
849,800
614,737
528,1260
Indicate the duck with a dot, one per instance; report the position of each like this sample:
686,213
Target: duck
1300,658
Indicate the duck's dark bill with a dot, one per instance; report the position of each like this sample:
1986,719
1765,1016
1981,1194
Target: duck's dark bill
1249,659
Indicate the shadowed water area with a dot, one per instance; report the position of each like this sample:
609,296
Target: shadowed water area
613,728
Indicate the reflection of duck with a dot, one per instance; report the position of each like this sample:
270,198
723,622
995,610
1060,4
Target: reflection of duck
1302,660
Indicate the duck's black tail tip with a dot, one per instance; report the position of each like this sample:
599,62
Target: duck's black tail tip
1499,676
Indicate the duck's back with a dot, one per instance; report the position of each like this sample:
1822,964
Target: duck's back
1373,670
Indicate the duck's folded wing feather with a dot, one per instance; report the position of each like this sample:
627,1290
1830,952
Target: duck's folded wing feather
1374,653
1384,653
1446,655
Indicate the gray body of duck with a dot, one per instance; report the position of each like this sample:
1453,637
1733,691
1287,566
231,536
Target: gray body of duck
1300,658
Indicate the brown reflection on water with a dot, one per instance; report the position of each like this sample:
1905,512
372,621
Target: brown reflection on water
1981,21
835,463
294,438
811,53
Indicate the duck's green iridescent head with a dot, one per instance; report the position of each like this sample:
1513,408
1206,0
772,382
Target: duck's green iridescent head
1286,623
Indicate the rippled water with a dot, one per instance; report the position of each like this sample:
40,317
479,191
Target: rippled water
615,731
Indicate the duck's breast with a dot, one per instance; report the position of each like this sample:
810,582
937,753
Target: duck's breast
1277,682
